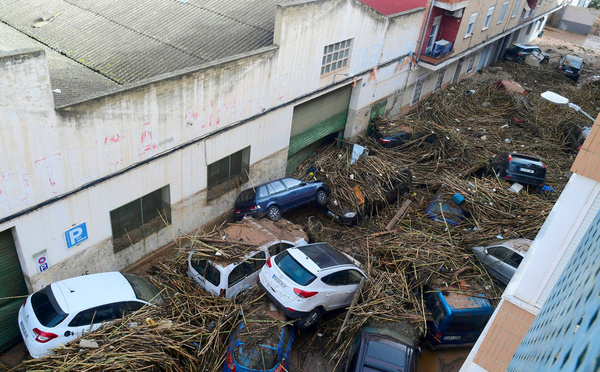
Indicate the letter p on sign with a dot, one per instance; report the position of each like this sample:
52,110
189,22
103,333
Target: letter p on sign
76,235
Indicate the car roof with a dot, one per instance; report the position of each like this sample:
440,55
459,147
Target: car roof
87,291
520,245
572,60
325,256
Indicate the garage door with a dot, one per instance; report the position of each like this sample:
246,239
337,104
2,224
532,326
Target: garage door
315,120
12,285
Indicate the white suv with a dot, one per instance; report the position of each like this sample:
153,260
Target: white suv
63,311
306,281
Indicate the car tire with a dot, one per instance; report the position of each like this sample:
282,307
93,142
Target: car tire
309,319
274,213
321,197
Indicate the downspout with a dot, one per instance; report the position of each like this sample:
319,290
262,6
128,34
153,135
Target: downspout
424,28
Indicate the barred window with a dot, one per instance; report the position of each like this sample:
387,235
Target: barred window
228,173
336,56
140,218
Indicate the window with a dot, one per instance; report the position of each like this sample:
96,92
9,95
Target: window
96,315
344,277
141,218
277,186
501,253
539,3
293,270
471,25
208,271
503,12
336,56
488,17
516,9
291,183
433,34
228,173
248,267
515,260
278,248
529,28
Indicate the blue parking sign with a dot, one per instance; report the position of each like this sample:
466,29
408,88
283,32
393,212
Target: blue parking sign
76,235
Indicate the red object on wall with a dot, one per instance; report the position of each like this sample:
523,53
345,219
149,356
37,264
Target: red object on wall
387,7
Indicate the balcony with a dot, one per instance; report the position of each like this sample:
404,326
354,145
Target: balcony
451,5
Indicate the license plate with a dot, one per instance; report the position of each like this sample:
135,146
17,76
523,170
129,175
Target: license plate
279,281
25,335
450,338
527,170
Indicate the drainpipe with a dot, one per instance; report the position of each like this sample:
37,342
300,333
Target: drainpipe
424,28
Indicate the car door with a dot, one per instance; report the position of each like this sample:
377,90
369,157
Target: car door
341,287
495,262
278,194
299,192
90,319
244,275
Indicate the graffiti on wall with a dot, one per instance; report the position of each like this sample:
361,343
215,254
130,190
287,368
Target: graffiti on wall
50,168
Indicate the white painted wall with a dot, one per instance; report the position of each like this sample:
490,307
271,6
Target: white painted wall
47,153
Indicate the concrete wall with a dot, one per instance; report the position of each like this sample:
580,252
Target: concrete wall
78,164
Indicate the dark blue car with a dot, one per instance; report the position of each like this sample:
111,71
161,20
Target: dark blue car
259,347
273,198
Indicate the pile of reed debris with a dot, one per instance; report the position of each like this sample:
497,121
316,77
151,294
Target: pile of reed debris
403,251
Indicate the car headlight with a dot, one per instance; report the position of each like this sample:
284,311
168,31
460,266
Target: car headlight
350,214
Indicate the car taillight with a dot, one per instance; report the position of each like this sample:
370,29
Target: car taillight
290,309
507,177
238,211
544,165
230,363
255,207
520,54
43,337
438,335
281,368
384,141
269,264
304,294
509,157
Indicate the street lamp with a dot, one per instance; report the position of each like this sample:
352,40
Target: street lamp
560,100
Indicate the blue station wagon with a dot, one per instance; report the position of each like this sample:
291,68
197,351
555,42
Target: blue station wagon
273,198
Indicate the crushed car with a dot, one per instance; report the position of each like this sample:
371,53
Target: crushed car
518,52
272,198
63,311
306,281
502,259
226,275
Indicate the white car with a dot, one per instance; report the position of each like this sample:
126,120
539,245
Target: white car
227,277
502,259
308,280
63,311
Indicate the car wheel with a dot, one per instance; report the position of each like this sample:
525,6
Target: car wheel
321,197
309,319
273,213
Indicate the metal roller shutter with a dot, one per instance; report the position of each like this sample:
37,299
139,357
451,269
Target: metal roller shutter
315,120
12,284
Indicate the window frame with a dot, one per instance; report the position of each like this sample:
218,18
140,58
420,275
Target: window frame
218,183
516,9
502,12
471,25
336,57
132,223
488,17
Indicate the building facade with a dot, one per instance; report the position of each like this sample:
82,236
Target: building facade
119,136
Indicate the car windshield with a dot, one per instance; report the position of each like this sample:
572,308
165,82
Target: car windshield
437,309
46,309
257,357
293,270
143,289
246,195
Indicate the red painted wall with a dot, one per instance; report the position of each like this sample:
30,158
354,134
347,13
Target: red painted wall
387,7
448,27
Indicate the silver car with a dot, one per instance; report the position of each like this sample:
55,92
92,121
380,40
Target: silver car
501,260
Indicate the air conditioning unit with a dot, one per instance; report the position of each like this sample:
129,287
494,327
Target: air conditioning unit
455,14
